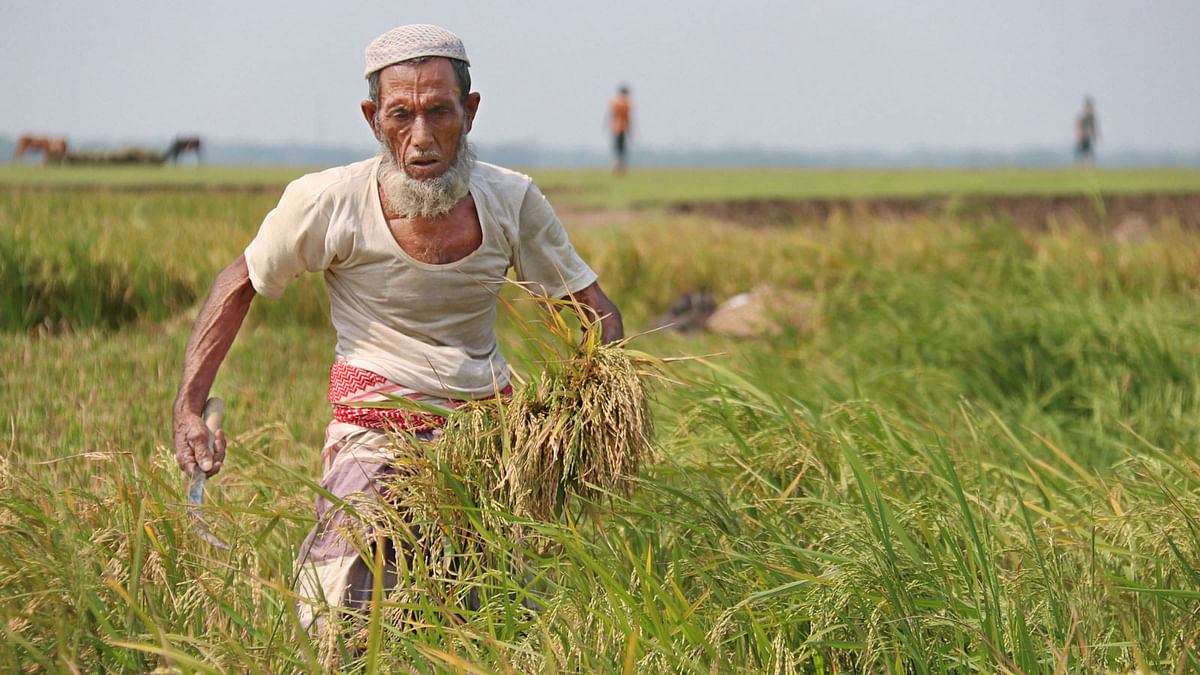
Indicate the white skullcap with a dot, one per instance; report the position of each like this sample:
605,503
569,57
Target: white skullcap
410,42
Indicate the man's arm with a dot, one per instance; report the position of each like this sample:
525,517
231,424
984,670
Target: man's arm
214,331
611,327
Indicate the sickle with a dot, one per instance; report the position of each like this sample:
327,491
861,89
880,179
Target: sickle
214,409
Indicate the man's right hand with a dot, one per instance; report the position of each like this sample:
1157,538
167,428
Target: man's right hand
214,331
191,445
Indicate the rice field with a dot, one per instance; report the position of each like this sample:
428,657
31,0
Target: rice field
975,451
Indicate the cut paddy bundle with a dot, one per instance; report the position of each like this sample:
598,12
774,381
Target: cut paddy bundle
582,428
579,426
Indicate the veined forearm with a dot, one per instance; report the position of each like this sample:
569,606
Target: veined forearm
213,334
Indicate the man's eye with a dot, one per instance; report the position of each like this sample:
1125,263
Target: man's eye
399,113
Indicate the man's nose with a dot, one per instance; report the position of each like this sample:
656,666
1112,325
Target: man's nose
422,132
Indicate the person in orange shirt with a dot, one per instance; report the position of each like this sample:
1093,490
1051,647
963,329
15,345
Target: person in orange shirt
619,122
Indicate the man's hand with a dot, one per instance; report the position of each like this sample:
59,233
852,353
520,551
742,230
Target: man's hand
214,331
612,328
191,444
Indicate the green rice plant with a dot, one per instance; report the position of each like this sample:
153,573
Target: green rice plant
910,553
71,261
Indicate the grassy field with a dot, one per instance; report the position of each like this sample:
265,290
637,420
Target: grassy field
977,452
666,186
25,175
598,188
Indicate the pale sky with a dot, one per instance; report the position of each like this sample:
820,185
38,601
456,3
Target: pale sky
835,74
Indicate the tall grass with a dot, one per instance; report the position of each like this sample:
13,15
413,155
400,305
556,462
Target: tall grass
979,456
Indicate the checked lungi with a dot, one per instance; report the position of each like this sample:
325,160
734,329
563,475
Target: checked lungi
357,452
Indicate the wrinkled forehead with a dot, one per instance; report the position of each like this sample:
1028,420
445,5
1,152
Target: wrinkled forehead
425,77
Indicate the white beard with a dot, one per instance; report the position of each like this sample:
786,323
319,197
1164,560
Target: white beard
427,197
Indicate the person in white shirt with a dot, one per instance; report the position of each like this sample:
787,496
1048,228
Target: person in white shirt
414,245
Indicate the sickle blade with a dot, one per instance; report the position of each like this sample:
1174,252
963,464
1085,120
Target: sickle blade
196,510
213,410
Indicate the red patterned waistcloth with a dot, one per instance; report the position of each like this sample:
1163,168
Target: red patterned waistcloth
351,386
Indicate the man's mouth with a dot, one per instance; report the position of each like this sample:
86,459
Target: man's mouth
423,162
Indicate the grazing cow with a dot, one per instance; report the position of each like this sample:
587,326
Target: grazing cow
53,148
181,145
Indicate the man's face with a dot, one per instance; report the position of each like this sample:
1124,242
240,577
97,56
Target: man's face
421,117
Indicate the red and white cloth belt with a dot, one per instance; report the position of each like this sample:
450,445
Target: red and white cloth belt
351,386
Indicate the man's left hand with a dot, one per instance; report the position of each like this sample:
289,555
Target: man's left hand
612,329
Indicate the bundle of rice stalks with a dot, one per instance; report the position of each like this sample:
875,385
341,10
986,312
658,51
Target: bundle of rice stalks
461,509
582,428
579,426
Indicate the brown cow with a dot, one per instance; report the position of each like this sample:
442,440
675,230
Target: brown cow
53,148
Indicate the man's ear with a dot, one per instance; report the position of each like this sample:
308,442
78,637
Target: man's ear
369,109
471,107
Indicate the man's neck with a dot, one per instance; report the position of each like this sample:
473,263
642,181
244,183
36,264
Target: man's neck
439,239
420,221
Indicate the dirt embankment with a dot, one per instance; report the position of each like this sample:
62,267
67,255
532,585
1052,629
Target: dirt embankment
1035,211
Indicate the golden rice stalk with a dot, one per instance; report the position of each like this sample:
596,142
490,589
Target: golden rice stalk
581,428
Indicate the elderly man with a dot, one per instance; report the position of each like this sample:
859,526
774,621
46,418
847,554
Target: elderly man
414,245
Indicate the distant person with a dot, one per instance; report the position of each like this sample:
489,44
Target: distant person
621,126
1087,134
414,245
